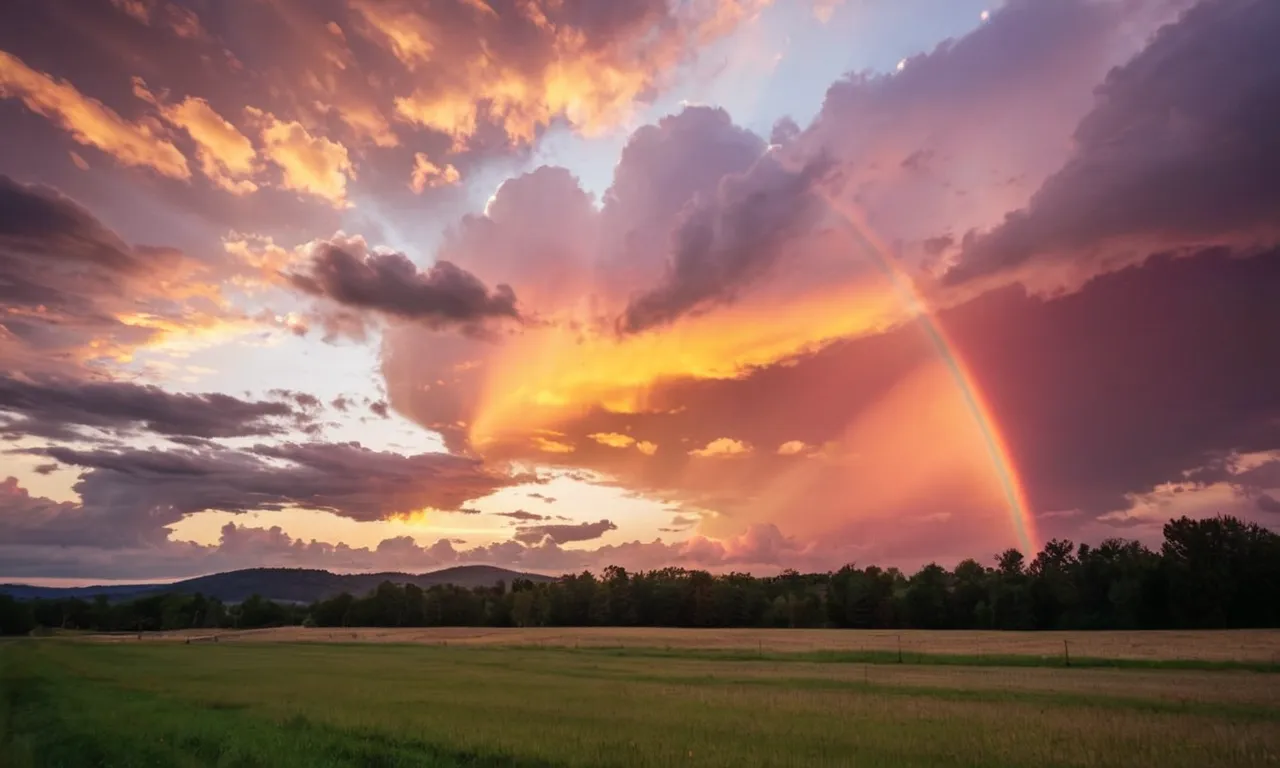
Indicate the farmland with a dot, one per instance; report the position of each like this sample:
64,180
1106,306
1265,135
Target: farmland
641,697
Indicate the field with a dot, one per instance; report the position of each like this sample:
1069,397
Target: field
525,698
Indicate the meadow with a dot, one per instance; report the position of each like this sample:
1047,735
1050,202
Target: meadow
476,698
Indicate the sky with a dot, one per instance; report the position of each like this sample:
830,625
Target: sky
740,285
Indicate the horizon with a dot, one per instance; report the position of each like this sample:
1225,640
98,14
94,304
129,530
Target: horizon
734,285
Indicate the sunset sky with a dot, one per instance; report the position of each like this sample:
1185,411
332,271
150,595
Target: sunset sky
557,284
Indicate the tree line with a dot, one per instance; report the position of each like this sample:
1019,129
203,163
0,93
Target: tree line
1214,573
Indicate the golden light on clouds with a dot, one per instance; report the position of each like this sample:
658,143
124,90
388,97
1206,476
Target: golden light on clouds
548,375
89,121
311,164
226,155
548,445
427,174
792,448
612,439
722,446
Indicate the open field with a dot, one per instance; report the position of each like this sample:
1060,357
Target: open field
1260,646
70,703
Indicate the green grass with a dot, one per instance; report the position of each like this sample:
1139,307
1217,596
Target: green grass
65,703
913,657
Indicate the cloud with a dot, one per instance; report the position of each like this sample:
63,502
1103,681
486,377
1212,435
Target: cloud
917,151
792,448
427,174
547,445
563,534
722,446
1178,152
89,121
182,22
74,291
227,157
521,515
521,69
613,439
647,448
724,243
128,497
312,164
346,272
54,408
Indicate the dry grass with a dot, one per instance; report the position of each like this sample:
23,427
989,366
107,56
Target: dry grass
1258,646
260,705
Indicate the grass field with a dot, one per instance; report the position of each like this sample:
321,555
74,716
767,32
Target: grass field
73,703
1248,649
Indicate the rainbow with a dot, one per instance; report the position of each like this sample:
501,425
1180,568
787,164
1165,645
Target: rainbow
1002,462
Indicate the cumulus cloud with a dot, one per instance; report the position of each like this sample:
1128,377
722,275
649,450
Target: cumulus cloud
427,174
1178,152
346,272
723,446
312,164
565,61
728,241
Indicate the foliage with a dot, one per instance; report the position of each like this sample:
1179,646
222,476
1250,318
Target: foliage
1213,573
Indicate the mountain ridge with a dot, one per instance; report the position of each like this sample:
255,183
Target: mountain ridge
295,585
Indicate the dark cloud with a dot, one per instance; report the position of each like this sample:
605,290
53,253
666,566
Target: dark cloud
1179,152
1268,503
1141,376
75,293
441,296
663,169
547,499
522,515
379,409
129,496
56,407
563,534
934,246
726,242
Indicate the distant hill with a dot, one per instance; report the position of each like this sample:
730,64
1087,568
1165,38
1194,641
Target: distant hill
297,585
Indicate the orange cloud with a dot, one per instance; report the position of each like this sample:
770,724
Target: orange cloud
568,68
368,123
428,174
792,448
89,121
722,446
646,447
612,439
547,445
226,155
311,164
